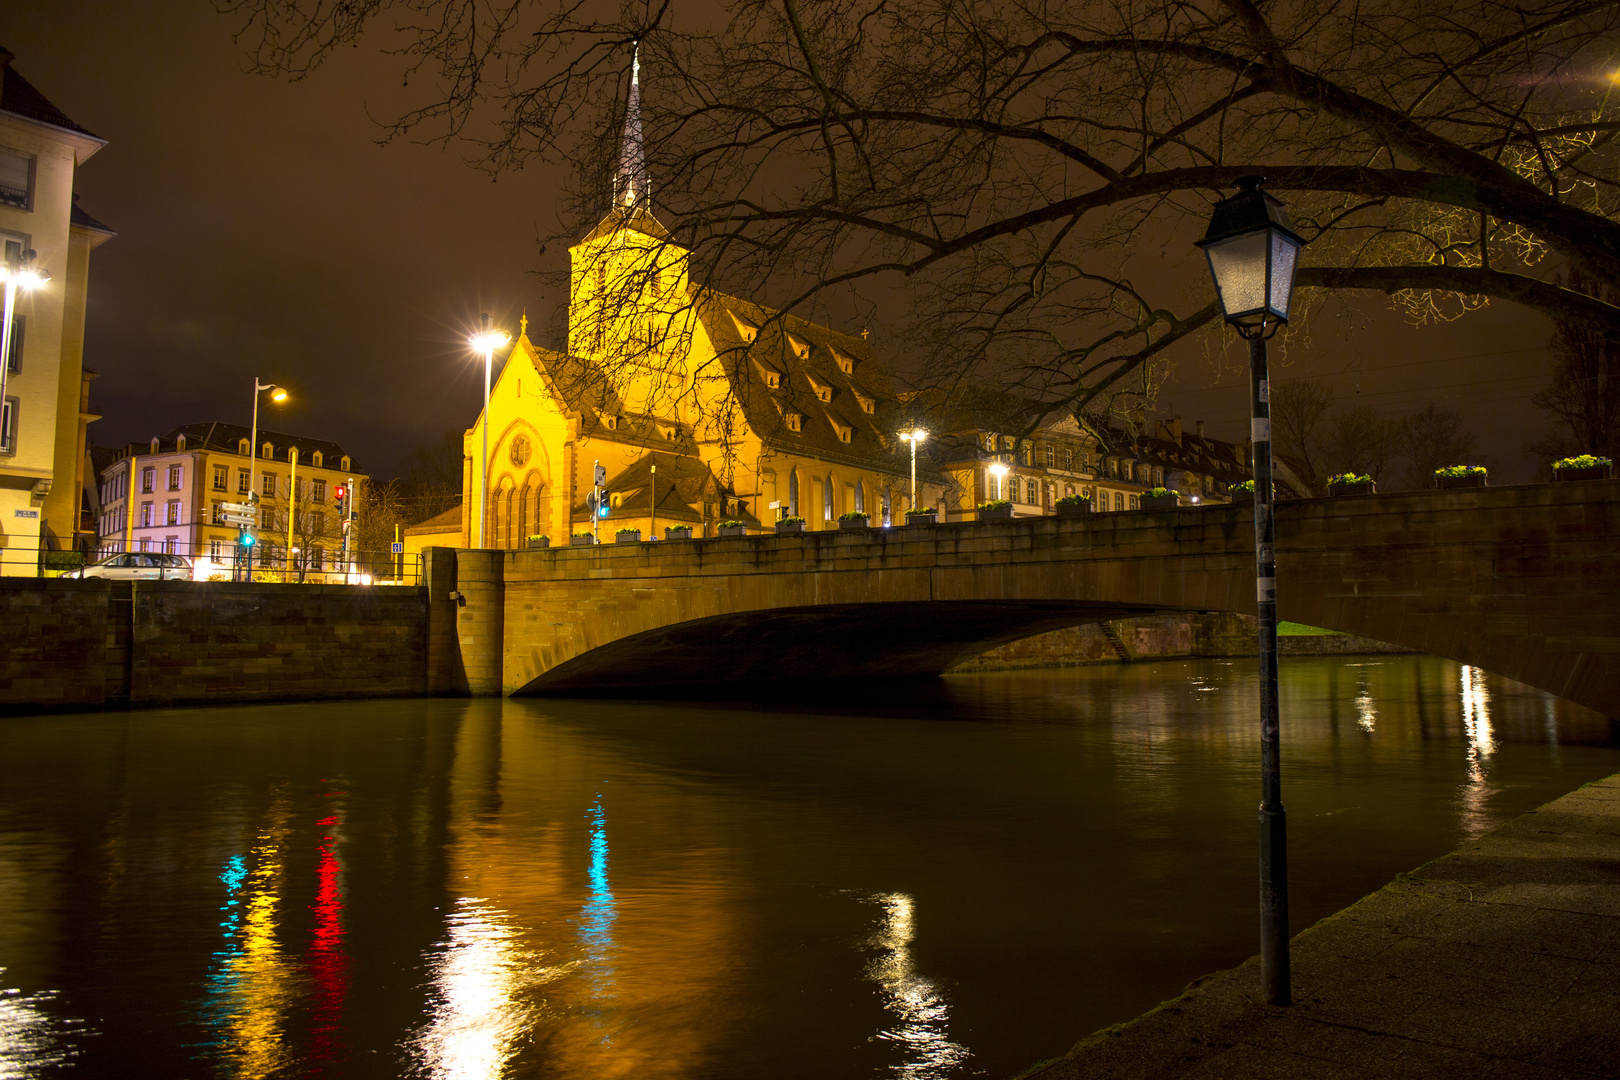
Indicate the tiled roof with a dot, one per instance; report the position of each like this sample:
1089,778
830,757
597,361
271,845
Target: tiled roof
683,485
19,97
227,437
805,358
449,521
83,220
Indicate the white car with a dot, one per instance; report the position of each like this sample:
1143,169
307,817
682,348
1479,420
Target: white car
138,566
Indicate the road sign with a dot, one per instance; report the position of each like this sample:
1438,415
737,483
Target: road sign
237,508
601,476
239,519
397,548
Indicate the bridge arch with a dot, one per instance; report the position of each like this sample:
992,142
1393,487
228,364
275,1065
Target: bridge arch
1519,581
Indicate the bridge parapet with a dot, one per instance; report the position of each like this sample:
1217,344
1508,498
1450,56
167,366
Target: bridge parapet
1521,581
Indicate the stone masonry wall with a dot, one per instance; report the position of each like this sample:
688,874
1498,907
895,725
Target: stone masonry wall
71,644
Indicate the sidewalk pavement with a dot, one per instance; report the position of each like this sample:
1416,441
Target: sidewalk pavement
1500,960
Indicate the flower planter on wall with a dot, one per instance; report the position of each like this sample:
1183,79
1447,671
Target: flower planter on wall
1079,509
856,523
1161,502
627,536
922,519
539,542
1361,487
783,528
1471,480
581,541
674,532
997,513
733,530
1589,472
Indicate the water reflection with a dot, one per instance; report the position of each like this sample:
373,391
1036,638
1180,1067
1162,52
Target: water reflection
916,1002
326,963
1476,719
601,911
33,1040
253,984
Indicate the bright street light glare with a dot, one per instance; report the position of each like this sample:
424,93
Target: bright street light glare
489,341
999,469
279,395
915,435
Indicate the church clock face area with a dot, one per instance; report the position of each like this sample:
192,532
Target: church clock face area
520,451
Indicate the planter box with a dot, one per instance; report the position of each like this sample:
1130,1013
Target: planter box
627,536
673,533
536,544
735,530
581,541
1473,480
1079,509
1366,487
1161,502
922,519
783,528
858,524
1591,472
1000,513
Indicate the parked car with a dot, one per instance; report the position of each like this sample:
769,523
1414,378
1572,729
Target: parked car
138,566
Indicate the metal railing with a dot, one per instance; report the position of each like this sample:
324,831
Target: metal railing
223,562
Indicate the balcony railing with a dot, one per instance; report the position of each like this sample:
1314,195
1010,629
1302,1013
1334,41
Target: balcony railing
13,196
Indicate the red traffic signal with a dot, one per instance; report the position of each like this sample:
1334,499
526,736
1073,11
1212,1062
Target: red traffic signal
338,491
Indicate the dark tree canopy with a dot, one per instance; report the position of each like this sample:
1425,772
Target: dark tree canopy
1034,172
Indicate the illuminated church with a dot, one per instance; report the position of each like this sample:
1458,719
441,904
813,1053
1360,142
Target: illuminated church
701,407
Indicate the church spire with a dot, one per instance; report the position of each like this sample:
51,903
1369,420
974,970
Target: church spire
630,180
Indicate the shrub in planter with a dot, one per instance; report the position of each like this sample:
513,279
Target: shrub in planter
1073,505
1584,467
1246,486
1460,476
627,536
1161,498
677,532
922,515
1351,484
855,519
581,540
733,528
995,510
539,541
789,525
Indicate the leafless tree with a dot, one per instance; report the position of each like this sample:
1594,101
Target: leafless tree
1359,440
1034,172
1299,409
1583,396
1433,438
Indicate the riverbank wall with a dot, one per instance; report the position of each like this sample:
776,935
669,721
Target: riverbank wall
1163,637
90,644
1496,960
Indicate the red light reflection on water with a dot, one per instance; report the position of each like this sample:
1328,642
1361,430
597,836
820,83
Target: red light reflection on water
326,962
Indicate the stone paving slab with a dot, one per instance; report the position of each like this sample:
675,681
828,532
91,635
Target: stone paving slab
1500,961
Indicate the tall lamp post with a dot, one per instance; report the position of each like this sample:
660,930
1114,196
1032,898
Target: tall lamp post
1252,250
914,436
278,395
486,341
19,274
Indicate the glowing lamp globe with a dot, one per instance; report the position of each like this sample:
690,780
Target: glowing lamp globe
1253,251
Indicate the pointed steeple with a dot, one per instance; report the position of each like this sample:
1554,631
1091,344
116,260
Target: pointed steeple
630,180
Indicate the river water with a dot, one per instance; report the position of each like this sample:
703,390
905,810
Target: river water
935,880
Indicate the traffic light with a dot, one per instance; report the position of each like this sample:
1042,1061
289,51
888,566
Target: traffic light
338,494
245,539
604,505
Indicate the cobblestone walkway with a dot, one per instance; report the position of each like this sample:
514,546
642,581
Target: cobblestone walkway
1499,960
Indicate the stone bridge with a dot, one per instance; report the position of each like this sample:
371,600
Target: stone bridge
1521,581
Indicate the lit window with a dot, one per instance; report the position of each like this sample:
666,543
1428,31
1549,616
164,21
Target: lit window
146,516
1119,501
317,490
1051,456
269,485
220,475
827,499
242,481
174,478
174,512
1068,458
148,479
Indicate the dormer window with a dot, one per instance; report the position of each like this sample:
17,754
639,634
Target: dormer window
795,422
824,393
180,443
846,364
242,447
345,463
292,453
868,405
267,451
666,431
747,330
317,458
772,377
845,432
801,347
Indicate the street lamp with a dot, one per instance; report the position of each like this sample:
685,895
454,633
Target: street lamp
486,341
1252,250
914,436
18,273
999,471
277,395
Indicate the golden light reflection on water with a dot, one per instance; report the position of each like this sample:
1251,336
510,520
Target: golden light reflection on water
1476,719
255,985
31,1036
917,1003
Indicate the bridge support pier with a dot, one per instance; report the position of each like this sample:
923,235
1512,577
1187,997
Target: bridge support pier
481,619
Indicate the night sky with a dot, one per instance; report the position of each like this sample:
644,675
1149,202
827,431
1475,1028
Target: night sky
262,231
